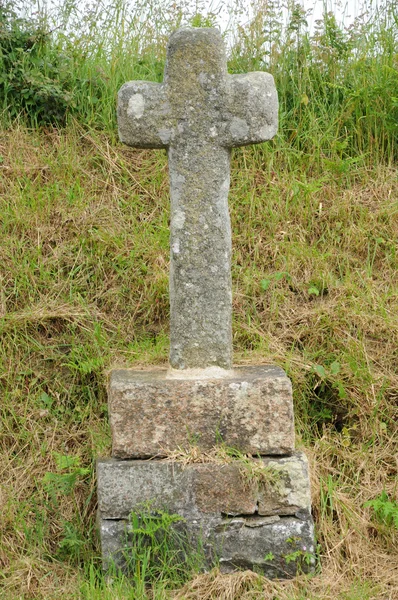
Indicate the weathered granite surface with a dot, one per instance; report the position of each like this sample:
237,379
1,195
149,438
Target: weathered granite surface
202,488
198,113
237,519
250,409
261,544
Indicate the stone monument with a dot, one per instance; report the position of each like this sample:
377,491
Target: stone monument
198,114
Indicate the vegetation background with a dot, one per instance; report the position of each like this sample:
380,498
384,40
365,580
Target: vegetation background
84,279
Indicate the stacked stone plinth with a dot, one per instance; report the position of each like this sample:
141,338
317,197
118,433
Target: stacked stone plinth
241,520
259,518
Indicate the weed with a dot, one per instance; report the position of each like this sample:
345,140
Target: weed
158,549
265,283
34,78
301,557
72,540
385,510
64,481
269,556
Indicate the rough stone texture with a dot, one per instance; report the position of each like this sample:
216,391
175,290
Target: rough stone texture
196,489
236,519
251,409
198,113
234,543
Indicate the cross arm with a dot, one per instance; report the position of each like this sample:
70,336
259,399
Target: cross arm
144,115
252,109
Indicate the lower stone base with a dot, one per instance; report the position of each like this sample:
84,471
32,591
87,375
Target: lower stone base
275,546
243,515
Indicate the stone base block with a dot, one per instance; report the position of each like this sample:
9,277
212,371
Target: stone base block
254,516
250,409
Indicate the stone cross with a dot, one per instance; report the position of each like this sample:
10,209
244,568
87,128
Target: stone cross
198,114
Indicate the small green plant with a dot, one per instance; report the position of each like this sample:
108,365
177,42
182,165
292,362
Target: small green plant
269,556
158,549
73,540
385,510
73,543
300,556
275,277
313,290
200,20
68,473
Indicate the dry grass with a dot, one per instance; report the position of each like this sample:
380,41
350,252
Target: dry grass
251,586
84,270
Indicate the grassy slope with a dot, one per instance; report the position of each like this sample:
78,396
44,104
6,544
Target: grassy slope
84,275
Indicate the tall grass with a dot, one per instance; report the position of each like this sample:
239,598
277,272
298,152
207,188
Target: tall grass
338,87
84,279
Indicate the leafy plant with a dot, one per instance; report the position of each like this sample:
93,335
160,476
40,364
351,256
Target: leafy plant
36,78
72,540
72,543
29,82
301,556
69,472
274,277
385,510
158,549
313,290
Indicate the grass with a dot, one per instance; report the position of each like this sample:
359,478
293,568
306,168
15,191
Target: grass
84,288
